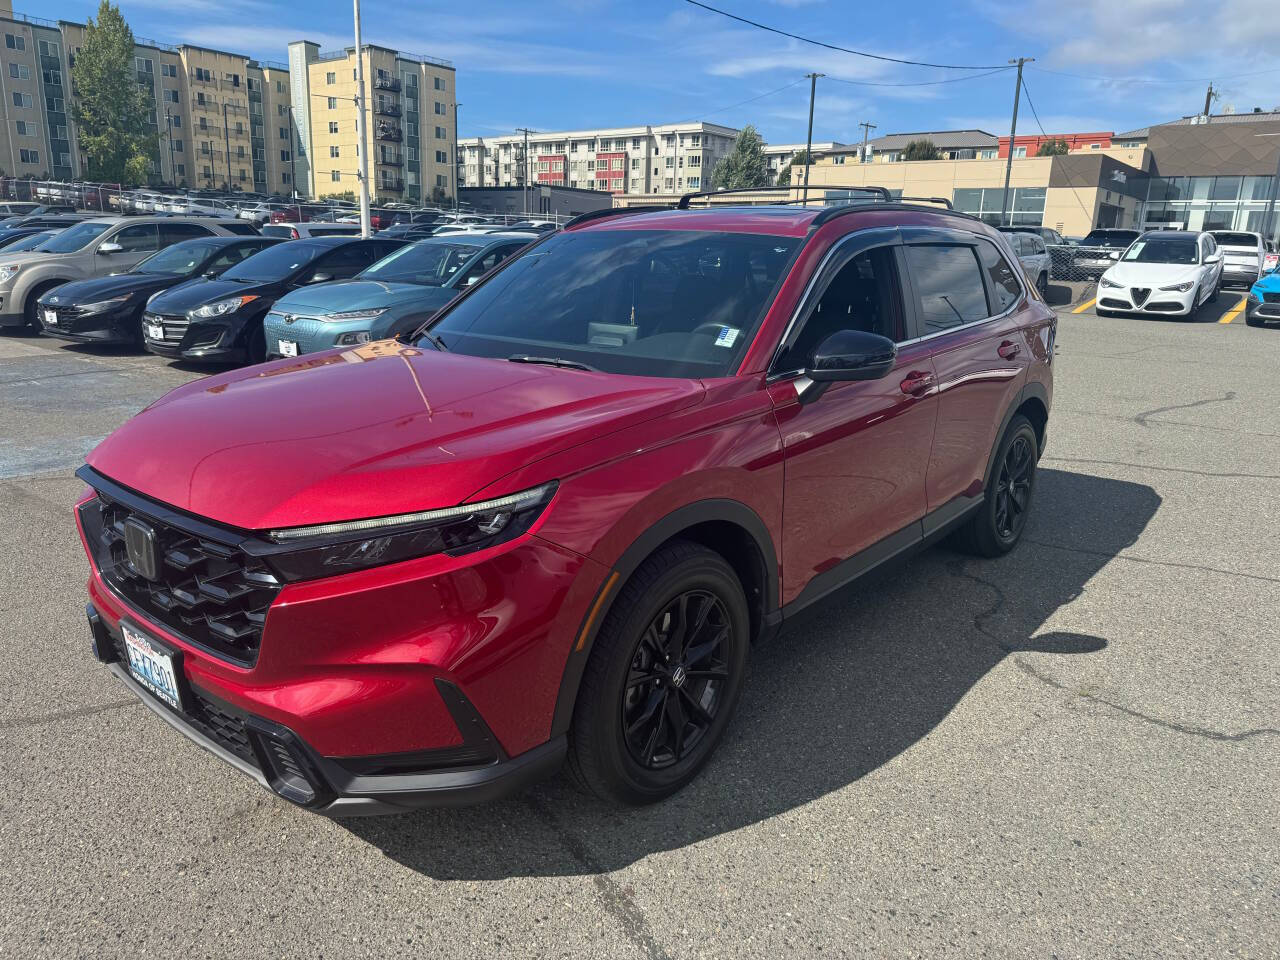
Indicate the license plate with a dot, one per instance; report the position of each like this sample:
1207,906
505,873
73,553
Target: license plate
51,317
152,666
155,331
288,348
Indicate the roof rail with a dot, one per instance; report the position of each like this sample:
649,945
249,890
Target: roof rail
942,200
601,214
847,208
683,202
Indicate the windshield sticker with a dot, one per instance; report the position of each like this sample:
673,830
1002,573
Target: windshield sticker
1135,250
728,337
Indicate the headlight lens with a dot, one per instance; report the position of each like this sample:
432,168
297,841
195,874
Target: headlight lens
104,305
368,314
1108,282
303,553
1179,287
349,339
9,272
220,308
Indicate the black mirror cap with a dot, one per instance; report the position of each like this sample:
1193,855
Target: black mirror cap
852,355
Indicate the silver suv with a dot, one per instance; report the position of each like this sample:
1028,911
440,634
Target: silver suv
92,248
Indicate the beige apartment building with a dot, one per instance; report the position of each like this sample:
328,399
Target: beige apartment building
648,159
212,112
410,135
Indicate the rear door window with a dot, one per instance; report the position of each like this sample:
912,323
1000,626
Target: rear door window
349,260
948,283
1005,288
138,238
176,232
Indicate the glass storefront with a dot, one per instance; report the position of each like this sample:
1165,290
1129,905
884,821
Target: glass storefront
1026,204
1209,203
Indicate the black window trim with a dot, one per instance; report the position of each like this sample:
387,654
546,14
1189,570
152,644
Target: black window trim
833,261
936,236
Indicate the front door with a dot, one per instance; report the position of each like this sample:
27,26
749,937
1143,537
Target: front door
856,455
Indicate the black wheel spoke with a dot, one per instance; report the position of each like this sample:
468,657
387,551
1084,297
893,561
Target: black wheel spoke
677,720
715,673
650,708
695,706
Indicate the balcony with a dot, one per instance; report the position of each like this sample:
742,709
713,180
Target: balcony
386,109
391,159
388,131
386,83
391,184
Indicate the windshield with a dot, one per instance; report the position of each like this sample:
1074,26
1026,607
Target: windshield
275,262
1163,250
431,264
181,259
1109,238
75,238
676,303
30,242
1237,240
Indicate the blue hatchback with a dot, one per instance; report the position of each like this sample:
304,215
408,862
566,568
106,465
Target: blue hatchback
393,296
1264,301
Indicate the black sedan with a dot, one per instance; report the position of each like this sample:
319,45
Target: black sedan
13,235
109,309
220,319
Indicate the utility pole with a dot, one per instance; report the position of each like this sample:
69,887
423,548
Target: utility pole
168,125
362,143
808,144
457,160
1013,133
1208,99
226,136
293,152
866,130
524,168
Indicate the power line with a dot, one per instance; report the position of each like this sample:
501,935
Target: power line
832,46
743,103
1087,213
1196,80
922,83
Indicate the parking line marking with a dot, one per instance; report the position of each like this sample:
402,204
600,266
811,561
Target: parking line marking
1234,311
1085,306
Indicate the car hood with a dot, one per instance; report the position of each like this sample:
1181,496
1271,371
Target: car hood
1151,274
1269,284
200,291
104,288
375,431
342,295
29,257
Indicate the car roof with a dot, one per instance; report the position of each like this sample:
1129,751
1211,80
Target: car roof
1189,234
781,220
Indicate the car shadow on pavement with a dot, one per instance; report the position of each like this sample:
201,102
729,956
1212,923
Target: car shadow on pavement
847,687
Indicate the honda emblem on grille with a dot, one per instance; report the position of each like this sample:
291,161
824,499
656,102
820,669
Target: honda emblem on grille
140,544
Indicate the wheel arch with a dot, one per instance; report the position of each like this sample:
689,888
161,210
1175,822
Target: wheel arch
728,527
1032,402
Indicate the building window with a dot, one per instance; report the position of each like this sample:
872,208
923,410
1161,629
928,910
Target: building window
177,146
239,152
442,157
59,132
21,127
1019,153
19,71
48,49
29,156
22,100
438,82
442,133
284,155
168,69
143,65
333,103
15,42
176,120
695,183
333,151
1026,204
182,169
330,78
171,96
439,109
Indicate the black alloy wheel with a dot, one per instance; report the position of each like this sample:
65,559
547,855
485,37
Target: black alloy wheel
1013,488
677,674
997,524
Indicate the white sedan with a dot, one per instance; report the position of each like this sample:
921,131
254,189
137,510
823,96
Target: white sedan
1170,272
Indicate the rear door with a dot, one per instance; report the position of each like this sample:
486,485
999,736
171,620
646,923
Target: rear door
972,302
856,456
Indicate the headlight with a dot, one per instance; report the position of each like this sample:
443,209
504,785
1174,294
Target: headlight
9,272
220,308
368,314
1107,282
302,553
104,305
1180,287
360,336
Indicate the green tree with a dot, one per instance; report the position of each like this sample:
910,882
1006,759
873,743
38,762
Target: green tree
798,159
921,150
111,108
1053,148
745,165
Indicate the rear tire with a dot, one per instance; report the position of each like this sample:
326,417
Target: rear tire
662,679
997,526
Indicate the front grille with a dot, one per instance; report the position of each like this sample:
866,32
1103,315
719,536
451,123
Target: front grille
175,328
225,729
1165,306
1139,294
206,590
1115,304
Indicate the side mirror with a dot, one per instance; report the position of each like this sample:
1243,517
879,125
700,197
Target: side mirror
1213,258
211,274
471,279
320,277
1113,255
852,355
109,247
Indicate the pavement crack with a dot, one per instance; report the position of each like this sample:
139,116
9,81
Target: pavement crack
1141,418
1111,555
616,900
22,722
1186,470
957,568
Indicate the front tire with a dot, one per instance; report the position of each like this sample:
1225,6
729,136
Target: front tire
997,526
663,677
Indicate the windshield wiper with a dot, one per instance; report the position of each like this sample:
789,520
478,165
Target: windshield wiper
552,362
435,341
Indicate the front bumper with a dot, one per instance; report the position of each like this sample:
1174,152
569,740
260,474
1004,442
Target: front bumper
115,327
213,341
1164,303
1263,311
308,334
1245,276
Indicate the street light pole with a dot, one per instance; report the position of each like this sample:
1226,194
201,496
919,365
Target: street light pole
362,149
1013,133
866,131
808,144
168,125
226,135
457,160
293,153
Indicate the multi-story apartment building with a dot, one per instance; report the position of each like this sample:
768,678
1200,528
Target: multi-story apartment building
211,111
664,158
410,135
779,155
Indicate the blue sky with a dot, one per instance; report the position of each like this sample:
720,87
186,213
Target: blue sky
566,64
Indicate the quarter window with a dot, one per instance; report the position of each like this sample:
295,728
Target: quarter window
948,285
1005,289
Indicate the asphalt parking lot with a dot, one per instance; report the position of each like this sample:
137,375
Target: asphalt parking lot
1069,752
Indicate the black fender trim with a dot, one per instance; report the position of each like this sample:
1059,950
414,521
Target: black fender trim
1031,390
690,515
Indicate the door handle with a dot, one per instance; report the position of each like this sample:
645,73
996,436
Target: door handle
917,382
1008,349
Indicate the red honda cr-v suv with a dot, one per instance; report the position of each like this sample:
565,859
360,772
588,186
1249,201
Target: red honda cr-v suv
554,523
